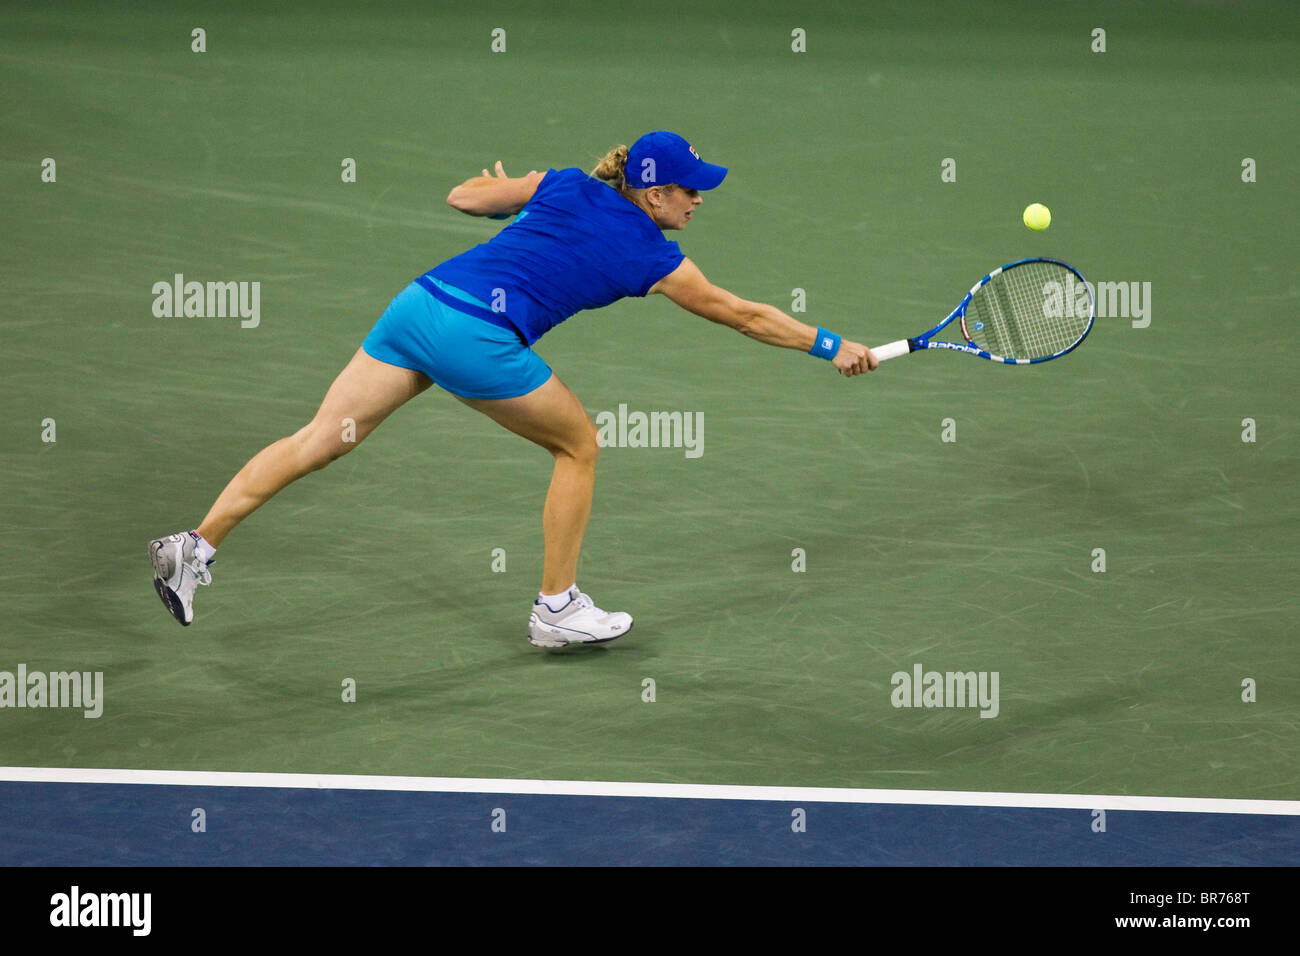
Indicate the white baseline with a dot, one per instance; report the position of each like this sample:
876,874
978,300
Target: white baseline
684,791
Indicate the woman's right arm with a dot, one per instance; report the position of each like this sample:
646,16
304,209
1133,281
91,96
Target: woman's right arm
687,286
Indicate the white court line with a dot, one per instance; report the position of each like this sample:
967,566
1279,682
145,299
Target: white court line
599,788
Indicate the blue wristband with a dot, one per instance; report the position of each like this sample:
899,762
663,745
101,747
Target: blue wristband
828,343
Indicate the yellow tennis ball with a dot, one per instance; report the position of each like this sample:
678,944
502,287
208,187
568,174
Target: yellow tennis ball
1037,216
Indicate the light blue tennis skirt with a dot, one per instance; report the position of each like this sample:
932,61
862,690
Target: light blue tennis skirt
465,354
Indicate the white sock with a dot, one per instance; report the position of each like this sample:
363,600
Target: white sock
557,602
202,550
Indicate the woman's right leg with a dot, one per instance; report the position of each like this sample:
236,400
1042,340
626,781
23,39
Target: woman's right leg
553,417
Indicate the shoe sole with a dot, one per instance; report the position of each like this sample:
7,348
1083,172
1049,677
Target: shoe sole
171,600
567,645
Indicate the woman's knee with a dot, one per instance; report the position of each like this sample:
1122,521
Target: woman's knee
583,446
319,444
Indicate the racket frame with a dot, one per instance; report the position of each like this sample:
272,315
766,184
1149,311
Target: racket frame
926,341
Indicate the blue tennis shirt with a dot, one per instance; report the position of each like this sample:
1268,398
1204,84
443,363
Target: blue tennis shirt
577,245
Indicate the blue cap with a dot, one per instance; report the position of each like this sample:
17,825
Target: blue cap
660,158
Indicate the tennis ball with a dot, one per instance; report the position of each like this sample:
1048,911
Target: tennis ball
1037,216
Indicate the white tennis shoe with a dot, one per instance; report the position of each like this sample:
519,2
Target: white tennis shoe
578,622
177,571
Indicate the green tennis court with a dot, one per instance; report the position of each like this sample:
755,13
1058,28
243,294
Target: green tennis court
826,536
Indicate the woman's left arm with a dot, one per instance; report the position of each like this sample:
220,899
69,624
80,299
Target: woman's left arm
497,195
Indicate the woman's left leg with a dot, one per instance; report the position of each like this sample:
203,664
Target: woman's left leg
365,393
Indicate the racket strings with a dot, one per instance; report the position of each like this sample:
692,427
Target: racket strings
1028,311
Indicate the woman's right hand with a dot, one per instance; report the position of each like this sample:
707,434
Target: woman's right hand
854,359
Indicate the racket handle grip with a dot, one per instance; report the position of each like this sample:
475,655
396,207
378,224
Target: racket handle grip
892,350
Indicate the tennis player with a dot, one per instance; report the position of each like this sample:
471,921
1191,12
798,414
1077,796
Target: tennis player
577,242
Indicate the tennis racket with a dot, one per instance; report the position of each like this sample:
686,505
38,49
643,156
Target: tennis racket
1026,312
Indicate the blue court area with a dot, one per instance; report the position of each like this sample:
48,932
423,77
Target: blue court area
80,824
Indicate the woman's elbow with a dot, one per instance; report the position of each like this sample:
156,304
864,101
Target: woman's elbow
746,320
466,199
457,199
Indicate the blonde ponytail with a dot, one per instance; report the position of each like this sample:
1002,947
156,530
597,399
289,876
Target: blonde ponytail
613,168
